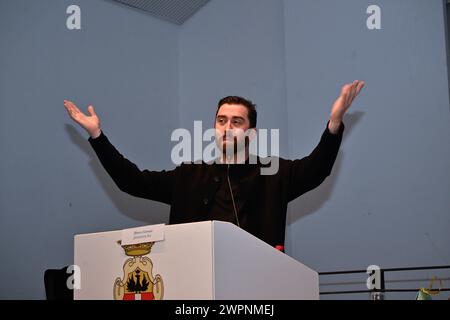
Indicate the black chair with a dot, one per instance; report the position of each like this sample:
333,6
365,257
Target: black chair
55,281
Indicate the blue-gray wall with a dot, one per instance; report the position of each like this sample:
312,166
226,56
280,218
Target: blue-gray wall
386,201
52,186
240,52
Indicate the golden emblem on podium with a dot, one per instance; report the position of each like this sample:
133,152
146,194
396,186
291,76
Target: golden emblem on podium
138,282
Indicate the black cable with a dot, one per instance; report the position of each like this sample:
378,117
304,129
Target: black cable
232,197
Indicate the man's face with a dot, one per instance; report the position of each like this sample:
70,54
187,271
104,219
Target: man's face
231,124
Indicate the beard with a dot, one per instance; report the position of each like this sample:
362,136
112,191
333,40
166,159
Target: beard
233,147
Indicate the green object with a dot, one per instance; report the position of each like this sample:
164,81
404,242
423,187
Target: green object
423,295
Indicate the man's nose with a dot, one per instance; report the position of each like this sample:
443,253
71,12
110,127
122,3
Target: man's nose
228,125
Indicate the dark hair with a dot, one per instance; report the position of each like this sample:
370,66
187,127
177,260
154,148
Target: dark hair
251,107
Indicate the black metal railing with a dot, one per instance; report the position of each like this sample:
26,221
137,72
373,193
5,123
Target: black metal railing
382,288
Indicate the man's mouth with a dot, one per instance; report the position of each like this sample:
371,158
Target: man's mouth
228,136
225,138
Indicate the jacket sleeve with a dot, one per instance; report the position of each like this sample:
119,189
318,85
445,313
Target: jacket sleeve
153,185
309,172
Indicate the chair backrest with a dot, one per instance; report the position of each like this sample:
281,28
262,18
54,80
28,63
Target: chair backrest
55,281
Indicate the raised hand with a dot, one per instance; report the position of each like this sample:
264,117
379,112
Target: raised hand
342,104
90,123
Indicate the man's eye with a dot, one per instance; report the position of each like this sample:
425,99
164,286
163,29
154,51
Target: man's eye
237,122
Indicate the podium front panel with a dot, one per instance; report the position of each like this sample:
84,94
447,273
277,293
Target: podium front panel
180,266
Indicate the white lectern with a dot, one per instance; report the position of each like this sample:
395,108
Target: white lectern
204,260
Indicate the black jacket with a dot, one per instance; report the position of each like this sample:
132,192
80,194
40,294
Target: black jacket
190,188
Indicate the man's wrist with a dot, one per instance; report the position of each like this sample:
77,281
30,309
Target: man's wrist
96,133
334,125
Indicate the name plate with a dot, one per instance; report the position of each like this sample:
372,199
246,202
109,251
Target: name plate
143,234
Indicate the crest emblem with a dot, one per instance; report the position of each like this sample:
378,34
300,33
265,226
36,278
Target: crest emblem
138,282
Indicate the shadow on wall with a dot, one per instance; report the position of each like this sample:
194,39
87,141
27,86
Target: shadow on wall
315,199
147,211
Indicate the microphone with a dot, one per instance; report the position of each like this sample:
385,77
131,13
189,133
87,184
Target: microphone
232,196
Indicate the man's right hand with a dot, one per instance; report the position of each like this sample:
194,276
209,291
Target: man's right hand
89,123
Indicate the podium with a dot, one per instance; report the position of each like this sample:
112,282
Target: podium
194,261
